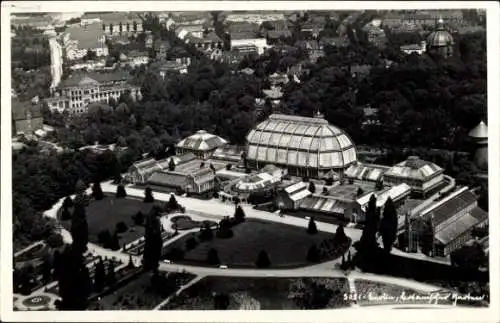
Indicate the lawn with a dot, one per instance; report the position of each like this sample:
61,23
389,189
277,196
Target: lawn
142,293
287,246
255,293
106,213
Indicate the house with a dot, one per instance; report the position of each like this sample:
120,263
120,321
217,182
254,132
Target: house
172,67
26,117
136,58
161,49
57,103
149,41
202,144
208,41
452,219
120,23
289,196
82,89
246,34
414,48
196,30
78,40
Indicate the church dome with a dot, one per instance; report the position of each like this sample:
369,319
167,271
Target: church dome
440,37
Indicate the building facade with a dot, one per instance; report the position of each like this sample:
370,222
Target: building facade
84,89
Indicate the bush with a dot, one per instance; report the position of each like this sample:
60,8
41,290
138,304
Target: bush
104,237
311,227
191,243
68,202
120,191
263,260
121,227
66,214
138,218
55,240
213,257
228,166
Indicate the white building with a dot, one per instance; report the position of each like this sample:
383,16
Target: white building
259,43
77,41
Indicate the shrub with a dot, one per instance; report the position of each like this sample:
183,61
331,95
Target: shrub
213,257
120,191
138,218
66,214
263,260
121,227
55,240
311,227
104,237
228,166
68,202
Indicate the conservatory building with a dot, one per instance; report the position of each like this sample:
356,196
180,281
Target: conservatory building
303,146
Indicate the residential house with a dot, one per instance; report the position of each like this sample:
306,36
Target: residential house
78,40
136,58
208,41
26,117
173,67
161,49
57,103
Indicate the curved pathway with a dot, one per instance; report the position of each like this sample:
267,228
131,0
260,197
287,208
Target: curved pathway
220,210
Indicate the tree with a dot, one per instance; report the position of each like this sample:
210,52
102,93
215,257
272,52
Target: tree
228,166
313,254
379,185
79,229
360,192
172,203
115,241
97,191
120,191
66,214
206,233
469,258
74,280
80,186
104,237
148,195
213,257
55,240
46,270
239,214
171,165
427,237
138,218
368,239
343,264
121,227
340,236
153,241
110,275
311,227
130,262
224,230
67,203
99,276
325,190
389,225
191,243
263,260
312,187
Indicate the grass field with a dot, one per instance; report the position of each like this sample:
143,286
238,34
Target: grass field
141,293
106,213
286,245
263,293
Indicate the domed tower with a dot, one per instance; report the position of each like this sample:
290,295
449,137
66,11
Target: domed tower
440,42
480,136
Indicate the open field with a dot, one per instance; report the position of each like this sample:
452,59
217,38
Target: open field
286,245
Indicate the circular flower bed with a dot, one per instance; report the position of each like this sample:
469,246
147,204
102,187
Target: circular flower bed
36,301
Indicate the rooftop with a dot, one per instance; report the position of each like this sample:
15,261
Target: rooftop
450,205
202,140
366,172
395,193
90,36
94,78
414,168
480,131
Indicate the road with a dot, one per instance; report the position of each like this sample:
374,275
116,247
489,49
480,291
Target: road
56,57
